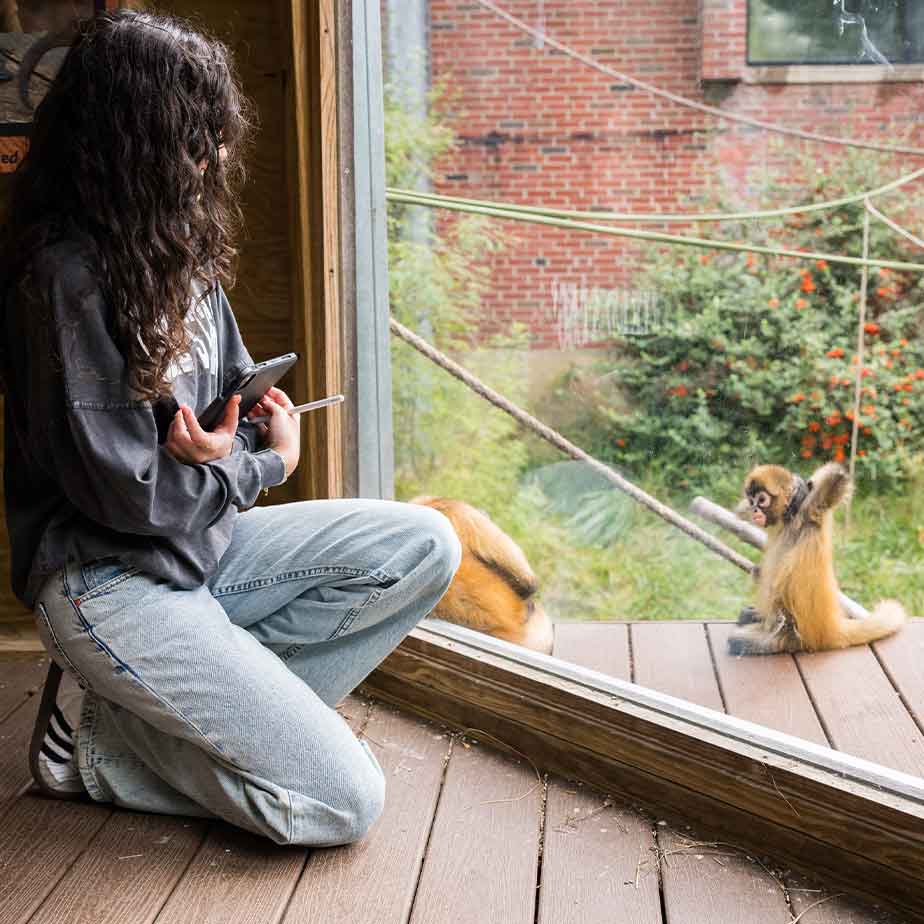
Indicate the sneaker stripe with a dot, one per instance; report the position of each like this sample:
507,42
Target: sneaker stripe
61,743
64,733
53,756
63,724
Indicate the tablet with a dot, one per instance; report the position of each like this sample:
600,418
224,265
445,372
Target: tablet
251,384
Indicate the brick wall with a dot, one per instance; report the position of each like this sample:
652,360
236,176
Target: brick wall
538,127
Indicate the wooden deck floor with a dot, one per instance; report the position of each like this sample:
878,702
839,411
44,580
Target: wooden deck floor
469,834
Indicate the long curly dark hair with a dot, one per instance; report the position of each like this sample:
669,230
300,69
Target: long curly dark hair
139,101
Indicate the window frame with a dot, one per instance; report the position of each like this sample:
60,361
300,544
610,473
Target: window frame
859,825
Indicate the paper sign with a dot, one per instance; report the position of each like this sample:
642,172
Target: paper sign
12,150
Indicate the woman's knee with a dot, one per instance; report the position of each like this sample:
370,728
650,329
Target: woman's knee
447,549
345,815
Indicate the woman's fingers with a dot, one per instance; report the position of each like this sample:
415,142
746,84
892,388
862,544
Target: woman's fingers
228,423
199,438
280,397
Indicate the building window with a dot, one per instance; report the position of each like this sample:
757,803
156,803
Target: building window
840,32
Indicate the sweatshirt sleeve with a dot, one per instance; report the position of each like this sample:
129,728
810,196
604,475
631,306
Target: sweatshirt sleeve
101,441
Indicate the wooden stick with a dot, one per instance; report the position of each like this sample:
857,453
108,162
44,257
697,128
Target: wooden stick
747,532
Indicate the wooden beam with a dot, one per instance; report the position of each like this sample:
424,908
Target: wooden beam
856,824
313,156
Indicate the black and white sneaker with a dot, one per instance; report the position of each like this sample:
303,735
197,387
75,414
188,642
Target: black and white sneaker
53,758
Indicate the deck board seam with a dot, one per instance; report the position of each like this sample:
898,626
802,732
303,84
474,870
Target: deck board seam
540,858
895,685
436,808
715,669
284,911
209,827
808,692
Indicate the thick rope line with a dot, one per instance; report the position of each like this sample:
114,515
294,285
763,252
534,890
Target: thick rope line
689,103
448,202
857,387
672,217
894,225
557,440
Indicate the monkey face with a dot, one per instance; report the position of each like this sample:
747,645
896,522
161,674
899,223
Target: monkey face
766,494
760,502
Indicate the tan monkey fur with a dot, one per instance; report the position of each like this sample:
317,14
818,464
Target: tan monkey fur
797,606
494,589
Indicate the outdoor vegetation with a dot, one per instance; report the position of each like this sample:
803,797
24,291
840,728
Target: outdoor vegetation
755,360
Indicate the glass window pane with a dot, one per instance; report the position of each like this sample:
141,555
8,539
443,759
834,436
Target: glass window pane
680,367
842,32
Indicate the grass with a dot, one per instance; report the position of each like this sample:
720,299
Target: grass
600,556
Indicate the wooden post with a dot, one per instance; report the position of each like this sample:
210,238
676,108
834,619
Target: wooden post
312,153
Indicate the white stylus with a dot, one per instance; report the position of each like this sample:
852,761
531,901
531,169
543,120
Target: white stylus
310,406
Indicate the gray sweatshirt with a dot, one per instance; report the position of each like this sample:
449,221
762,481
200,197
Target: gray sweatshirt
86,474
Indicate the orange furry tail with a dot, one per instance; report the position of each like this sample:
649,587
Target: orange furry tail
888,617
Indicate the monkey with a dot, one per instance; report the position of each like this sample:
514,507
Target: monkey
797,607
494,589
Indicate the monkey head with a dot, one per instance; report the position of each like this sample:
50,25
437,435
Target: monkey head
772,494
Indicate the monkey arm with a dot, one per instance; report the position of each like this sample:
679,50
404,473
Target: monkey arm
828,487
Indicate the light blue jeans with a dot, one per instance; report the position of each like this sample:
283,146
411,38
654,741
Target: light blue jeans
218,702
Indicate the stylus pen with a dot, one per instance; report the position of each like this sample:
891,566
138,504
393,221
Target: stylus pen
310,406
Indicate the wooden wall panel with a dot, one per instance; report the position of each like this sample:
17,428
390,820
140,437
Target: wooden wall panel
262,296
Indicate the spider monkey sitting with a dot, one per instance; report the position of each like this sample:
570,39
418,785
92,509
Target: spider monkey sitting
797,594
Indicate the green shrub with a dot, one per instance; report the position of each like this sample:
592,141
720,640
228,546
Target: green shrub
756,357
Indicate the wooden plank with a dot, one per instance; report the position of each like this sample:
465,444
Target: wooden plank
126,873
236,876
17,636
860,833
766,690
39,840
708,880
15,733
820,904
860,709
675,659
594,846
312,158
700,775
21,676
600,647
597,859
374,879
902,658
483,851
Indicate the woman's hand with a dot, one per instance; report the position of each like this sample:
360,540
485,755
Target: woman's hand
283,431
188,442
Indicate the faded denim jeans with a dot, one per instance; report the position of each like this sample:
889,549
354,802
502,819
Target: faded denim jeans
218,702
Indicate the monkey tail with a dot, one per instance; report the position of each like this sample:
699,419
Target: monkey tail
888,617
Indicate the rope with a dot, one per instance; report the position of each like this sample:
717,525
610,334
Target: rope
897,228
557,440
855,429
449,202
689,103
670,217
